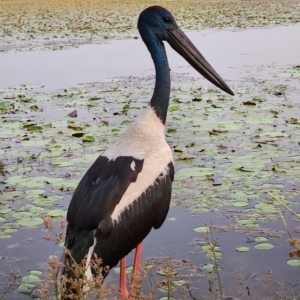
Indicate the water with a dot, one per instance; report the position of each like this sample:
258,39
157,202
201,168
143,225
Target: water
227,50
237,56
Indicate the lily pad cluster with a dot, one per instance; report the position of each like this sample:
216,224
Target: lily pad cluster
225,157
262,243
29,282
59,24
293,72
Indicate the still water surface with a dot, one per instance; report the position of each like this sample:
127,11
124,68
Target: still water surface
228,51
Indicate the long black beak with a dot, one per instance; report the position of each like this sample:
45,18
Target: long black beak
182,44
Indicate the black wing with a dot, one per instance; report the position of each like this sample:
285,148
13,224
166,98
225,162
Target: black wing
96,196
135,222
100,190
94,200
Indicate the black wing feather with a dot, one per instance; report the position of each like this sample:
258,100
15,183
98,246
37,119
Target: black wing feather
100,190
166,182
136,221
94,200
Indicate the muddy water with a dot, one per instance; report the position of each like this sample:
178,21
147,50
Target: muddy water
237,55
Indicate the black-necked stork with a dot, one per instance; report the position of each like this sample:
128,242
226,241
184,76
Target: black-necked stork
127,191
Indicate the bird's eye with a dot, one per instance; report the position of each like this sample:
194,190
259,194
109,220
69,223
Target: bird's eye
167,20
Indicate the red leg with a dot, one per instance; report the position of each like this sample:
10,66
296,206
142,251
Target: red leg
136,269
122,288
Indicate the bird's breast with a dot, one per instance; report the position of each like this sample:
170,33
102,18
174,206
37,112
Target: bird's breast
154,165
146,136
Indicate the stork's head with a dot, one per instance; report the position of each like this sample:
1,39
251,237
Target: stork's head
156,22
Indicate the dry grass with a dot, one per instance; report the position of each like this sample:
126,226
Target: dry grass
294,242
11,282
76,287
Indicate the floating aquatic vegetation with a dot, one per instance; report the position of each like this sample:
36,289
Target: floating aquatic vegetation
293,72
260,239
294,262
240,153
203,229
243,249
60,24
128,270
210,268
264,246
28,282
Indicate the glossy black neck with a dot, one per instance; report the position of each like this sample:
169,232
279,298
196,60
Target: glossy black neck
160,99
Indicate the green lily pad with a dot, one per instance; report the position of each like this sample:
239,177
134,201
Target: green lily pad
163,273
36,210
5,210
36,273
213,255
57,213
30,279
266,207
209,248
199,210
3,105
63,164
173,108
264,246
179,282
243,249
210,268
88,138
240,204
294,262
77,133
26,288
203,229
260,239
34,192
128,270
22,215
245,222
10,231
28,222
5,236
